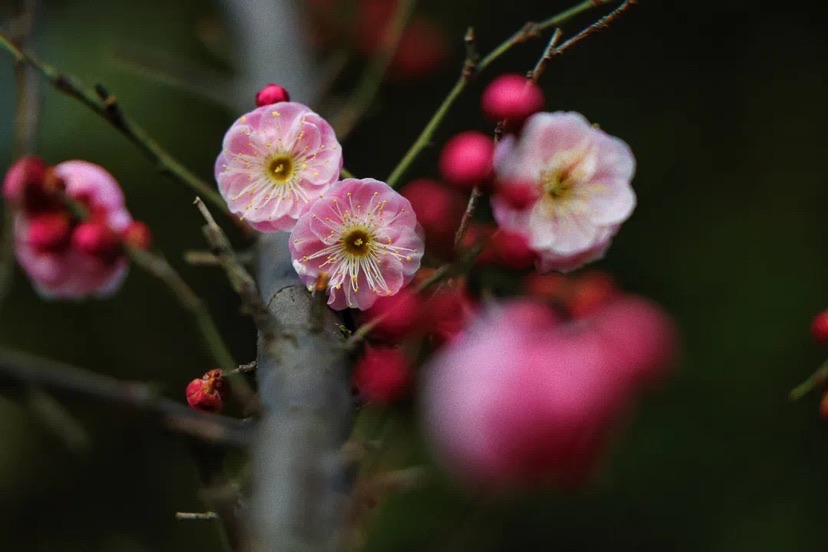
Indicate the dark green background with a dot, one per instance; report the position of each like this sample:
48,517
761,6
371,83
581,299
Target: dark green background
723,104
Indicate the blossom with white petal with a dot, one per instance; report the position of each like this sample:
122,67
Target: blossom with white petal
364,236
276,160
580,176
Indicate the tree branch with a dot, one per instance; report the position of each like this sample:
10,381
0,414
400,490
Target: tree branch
106,106
527,32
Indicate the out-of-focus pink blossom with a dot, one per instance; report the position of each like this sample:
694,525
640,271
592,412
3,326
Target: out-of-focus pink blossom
49,232
365,236
582,175
382,375
511,97
466,159
511,250
521,398
276,161
64,270
640,336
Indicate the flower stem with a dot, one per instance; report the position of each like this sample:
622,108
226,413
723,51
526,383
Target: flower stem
527,32
105,105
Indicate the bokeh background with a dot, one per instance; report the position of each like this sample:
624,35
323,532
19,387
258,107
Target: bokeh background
723,103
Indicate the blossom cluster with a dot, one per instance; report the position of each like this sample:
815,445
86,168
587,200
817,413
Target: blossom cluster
280,171
70,226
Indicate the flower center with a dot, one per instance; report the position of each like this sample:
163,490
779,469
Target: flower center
357,242
557,183
280,168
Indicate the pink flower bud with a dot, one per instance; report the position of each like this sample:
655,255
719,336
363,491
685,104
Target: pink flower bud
423,48
97,240
138,235
439,210
26,172
397,316
511,97
466,159
819,327
382,375
207,392
271,94
49,232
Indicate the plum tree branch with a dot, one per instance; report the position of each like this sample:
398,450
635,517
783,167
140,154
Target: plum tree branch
105,105
471,68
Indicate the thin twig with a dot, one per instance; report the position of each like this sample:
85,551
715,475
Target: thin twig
465,221
25,371
106,106
546,57
196,516
527,32
366,90
25,131
600,25
816,380
241,281
158,266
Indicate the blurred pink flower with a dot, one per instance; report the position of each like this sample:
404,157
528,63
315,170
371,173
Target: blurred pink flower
63,270
582,177
365,236
521,398
276,160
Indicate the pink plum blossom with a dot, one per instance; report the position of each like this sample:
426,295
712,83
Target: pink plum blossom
581,176
522,398
364,236
276,160
66,271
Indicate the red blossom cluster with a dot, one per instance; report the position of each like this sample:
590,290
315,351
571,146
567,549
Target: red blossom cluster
71,226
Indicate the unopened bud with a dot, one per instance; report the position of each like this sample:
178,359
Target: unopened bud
271,94
819,328
207,392
98,240
138,235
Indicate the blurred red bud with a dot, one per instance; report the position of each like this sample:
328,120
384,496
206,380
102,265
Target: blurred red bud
382,375
819,327
466,159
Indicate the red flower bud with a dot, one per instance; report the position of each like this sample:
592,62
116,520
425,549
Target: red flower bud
819,327
137,235
207,392
49,232
271,94
397,316
511,250
382,375
591,292
439,210
98,240
466,159
26,172
511,97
